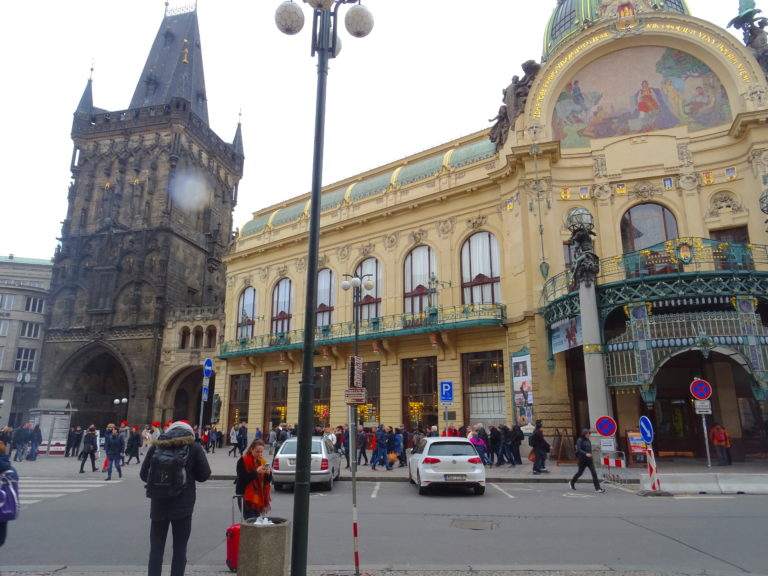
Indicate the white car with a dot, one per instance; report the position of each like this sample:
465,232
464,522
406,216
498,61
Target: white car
446,461
325,464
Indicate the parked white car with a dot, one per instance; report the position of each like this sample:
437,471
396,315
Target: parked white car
446,461
325,465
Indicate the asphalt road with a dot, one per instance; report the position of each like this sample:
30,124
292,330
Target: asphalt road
89,522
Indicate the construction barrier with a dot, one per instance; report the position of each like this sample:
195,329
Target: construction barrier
615,463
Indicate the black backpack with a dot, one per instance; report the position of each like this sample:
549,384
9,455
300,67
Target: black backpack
167,472
530,440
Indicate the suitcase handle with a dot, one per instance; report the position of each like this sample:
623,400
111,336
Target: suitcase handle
239,499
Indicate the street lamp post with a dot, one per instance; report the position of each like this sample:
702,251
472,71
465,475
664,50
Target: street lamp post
325,43
357,284
117,402
21,379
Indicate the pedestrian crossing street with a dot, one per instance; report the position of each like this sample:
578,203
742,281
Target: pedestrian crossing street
35,490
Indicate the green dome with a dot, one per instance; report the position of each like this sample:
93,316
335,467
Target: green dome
572,16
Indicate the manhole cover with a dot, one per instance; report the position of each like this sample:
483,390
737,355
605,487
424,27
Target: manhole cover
473,524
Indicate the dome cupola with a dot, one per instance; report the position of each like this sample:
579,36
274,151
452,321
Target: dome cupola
571,16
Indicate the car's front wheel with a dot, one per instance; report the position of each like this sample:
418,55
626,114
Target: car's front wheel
278,487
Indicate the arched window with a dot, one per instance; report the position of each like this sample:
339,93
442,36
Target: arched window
370,301
480,269
184,338
246,313
197,337
281,307
418,269
210,337
645,225
326,294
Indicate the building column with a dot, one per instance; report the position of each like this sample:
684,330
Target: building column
594,365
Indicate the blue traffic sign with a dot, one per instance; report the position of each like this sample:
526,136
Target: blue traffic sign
701,389
605,426
646,429
207,367
446,392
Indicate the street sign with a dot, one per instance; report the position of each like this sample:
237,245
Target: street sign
355,371
608,444
355,395
207,367
646,429
703,406
605,426
206,383
701,389
446,392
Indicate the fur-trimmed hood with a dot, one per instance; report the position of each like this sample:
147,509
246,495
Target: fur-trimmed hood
175,438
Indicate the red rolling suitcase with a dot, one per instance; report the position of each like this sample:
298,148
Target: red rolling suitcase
233,536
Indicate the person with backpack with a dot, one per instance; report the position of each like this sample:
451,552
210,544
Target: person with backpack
584,454
90,447
171,469
721,440
516,439
7,470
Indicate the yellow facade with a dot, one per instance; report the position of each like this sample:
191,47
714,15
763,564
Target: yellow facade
704,174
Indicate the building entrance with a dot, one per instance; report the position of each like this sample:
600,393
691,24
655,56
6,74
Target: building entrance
420,393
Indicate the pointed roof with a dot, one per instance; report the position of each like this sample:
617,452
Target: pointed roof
174,68
237,143
86,100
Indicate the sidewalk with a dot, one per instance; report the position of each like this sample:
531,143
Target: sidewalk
676,476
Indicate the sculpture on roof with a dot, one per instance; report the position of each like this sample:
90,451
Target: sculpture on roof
514,98
753,28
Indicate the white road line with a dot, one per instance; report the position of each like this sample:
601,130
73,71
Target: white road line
500,489
376,490
26,502
702,497
53,490
35,495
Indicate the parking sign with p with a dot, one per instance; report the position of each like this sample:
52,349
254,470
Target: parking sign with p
446,392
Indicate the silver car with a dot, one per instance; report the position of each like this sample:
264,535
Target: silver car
325,466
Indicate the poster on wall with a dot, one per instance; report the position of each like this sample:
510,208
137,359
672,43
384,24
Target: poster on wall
566,334
522,389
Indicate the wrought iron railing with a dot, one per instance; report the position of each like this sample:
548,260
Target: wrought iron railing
433,320
673,257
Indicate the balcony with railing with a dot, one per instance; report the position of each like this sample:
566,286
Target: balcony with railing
681,267
396,325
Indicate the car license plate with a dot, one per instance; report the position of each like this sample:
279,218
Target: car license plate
292,461
455,477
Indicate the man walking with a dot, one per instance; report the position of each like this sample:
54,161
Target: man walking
541,449
584,454
114,447
173,510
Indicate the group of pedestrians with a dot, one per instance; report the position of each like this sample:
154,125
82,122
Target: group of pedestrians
24,441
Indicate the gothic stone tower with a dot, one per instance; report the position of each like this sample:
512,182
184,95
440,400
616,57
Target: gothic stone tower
148,221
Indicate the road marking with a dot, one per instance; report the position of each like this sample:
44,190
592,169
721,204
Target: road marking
702,496
376,490
577,495
500,489
34,490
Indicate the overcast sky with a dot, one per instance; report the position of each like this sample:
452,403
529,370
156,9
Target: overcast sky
431,71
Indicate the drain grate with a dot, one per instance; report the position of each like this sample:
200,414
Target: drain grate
472,524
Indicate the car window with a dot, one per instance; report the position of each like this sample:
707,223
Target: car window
289,447
452,449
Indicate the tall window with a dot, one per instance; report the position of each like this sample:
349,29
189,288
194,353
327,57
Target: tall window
370,302
326,294
30,330
6,301
418,269
184,337
34,304
25,360
483,375
371,411
281,307
275,399
4,327
322,406
420,408
645,225
480,269
2,356
246,313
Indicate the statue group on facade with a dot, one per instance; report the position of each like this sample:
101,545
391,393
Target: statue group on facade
514,98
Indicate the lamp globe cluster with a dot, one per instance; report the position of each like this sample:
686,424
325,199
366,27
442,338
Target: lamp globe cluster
289,17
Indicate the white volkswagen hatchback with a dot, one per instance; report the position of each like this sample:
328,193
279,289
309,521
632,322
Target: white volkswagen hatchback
446,461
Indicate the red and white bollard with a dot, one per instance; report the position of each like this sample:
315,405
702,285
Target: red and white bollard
653,471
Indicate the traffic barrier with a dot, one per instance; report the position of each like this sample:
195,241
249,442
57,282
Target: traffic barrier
743,483
615,463
684,483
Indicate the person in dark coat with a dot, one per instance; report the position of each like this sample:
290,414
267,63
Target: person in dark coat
70,441
516,438
90,447
20,438
132,446
114,447
584,454
35,440
541,449
176,511
242,437
5,466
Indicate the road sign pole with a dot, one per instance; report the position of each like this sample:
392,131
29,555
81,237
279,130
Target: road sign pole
706,440
202,405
